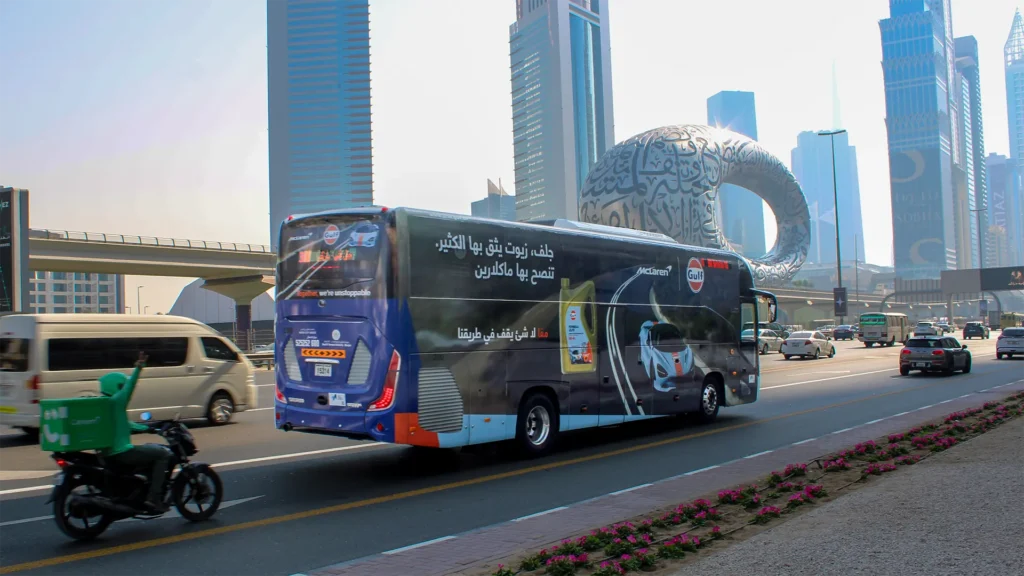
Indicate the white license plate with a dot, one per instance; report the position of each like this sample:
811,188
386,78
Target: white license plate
323,370
920,364
1012,343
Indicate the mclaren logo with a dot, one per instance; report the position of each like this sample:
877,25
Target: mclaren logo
317,353
655,271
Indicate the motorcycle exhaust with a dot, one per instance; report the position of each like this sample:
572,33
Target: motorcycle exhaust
92,504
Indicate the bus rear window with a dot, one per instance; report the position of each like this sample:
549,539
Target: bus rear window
322,257
872,320
14,354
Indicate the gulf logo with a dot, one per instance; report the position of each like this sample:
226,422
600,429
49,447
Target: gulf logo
331,235
695,275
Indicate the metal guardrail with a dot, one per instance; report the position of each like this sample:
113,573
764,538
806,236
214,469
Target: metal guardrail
147,241
261,359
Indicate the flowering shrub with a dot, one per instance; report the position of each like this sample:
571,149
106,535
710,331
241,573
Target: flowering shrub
567,548
610,568
624,528
907,460
868,447
943,443
503,571
877,469
798,499
795,470
921,442
785,486
687,511
989,405
700,519
646,527
673,548
565,565
618,547
535,562
642,559
815,491
702,504
764,515
750,490
896,450
914,431
669,519
716,533
929,427
753,502
896,438
730,497
837,465
774,477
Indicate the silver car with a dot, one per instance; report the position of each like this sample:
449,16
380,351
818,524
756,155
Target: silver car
1010,342
927,329
767,340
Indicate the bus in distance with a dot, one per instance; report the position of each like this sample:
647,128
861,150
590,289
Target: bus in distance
441,330
883,328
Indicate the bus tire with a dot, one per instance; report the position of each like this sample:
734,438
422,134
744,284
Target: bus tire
537,425
710,400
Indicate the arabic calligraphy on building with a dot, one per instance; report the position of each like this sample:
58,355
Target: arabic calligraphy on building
474,334
506,263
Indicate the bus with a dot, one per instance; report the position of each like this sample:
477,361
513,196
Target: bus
440,330
884,329
1011,320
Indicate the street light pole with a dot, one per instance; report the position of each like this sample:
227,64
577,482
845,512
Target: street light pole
138,299
835,200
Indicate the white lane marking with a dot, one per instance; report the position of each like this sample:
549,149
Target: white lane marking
845,429
630,489
923,407
803,441
232,463
692,472
827,379
964,396
758,454
945,401
263,385
900,414
420,545
831,371
873,422
170,514
521,518
259,409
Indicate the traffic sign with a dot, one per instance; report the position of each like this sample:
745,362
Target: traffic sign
839,300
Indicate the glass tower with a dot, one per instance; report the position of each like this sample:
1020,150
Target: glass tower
966,49
812,166
498,204
318,88
561,102
920,102
741,212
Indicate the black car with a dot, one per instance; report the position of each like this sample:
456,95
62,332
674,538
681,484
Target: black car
934,354
976,329
844,332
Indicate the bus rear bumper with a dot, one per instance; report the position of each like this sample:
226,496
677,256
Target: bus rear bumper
358,425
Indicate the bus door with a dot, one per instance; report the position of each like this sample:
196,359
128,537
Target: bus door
748,346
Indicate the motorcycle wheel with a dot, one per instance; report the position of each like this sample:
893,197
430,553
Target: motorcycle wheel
69,522
200,486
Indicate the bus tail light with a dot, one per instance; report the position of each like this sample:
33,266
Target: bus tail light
387,396
279,396
32,384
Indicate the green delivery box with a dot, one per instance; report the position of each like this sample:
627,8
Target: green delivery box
73,424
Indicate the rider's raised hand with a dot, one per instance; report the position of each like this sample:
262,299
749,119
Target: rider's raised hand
142,359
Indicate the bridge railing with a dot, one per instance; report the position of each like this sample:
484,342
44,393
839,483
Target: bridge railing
147,241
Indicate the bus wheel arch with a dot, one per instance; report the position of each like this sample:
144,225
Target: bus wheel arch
537,421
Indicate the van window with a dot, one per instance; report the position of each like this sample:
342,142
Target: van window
217,349
114,353
14,354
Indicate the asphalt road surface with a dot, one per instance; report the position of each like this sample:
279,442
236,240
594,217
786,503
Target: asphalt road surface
296,502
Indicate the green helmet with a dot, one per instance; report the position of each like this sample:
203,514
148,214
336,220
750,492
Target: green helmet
111,384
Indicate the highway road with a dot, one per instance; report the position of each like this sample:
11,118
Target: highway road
298,502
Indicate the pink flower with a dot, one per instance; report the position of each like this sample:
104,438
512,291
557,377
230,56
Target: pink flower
716,530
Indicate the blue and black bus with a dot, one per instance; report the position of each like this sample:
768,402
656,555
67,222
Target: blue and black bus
442,330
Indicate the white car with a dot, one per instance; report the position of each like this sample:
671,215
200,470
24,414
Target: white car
1010,342
928,329
808,345
664,354
767,340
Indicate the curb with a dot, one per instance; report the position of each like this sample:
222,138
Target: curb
469,552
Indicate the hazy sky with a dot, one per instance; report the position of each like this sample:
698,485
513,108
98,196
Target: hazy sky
150,117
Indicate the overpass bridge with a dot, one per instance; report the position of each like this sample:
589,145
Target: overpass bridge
239,271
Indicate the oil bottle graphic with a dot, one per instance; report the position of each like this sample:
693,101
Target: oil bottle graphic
577,318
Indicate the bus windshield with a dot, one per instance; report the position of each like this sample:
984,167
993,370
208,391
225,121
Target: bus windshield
323,257
872,320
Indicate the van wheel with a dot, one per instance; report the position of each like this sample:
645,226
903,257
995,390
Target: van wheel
710,401
220,409
537,426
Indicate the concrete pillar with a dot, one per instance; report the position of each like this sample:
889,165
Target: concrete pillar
242,290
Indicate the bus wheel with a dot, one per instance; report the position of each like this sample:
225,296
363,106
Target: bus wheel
710,400
537,425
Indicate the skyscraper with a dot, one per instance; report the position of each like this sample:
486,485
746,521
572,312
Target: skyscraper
561,102
973,141
918,68
812,166
78,292
1005,210
1013,65
498,204
318,88
742,211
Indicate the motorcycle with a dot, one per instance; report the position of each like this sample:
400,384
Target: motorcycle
90,493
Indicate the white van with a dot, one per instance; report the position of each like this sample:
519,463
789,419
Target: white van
192,371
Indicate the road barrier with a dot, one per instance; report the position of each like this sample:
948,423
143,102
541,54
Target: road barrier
261,359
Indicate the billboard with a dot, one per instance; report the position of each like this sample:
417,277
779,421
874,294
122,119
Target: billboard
13,249
1007,278
921,212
